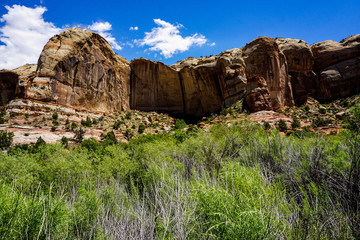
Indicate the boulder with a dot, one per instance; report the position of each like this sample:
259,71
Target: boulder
257,95
263,58
300,62
8,83
79,69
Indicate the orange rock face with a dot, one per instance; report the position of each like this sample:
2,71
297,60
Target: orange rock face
258,97
300,62
338,67
78,68
155,86
263,58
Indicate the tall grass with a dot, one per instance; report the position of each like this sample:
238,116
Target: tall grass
238,182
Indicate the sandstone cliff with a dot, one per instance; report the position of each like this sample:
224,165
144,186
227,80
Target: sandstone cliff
338,67
300,62
78,68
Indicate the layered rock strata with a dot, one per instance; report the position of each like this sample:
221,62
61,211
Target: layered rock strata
78,68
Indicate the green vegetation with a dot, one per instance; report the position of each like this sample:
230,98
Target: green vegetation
6,139
281,125
237,182
86,123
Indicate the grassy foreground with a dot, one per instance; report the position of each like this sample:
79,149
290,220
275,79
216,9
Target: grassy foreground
238,182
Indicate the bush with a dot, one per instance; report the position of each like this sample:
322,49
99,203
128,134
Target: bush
266,125
53,128
180,124
128,133
117,124
281,125
55,116
73,126
295,124
110,139
87,122
141,128
6,139
79,135
128,115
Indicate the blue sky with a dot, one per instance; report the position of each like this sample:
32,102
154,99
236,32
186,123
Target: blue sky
176,29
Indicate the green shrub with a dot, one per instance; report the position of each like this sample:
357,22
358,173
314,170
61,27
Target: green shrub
117,124
87,122
55,116
73,126
110,139
266,125
180,124
281,125
141,128
6,139
128,115
295,124
128,133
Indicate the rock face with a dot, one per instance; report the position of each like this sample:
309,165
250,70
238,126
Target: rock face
155,86
78,68
300,62
337,65
258,97
263,58
8,83
193,86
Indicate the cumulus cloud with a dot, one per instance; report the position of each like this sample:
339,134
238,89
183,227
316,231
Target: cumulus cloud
134,28
103,29
23,35
166,38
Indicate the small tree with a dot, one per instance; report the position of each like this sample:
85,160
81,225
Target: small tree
141,128
79,135
6,139
281,125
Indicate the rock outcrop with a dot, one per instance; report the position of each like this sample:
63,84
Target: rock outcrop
8,83
193,86
337,65
258,97
263,58
155,86
78,68
300,62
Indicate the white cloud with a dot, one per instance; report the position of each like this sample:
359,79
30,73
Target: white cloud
134,28
103,29
166,38
24,34
211,44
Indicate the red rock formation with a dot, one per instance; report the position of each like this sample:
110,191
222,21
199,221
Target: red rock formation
78,68
300,62
8,83
263,58
338,67
257,95
155,86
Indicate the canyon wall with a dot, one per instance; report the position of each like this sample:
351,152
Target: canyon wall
79,69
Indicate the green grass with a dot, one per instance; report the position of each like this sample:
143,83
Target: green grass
238,182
